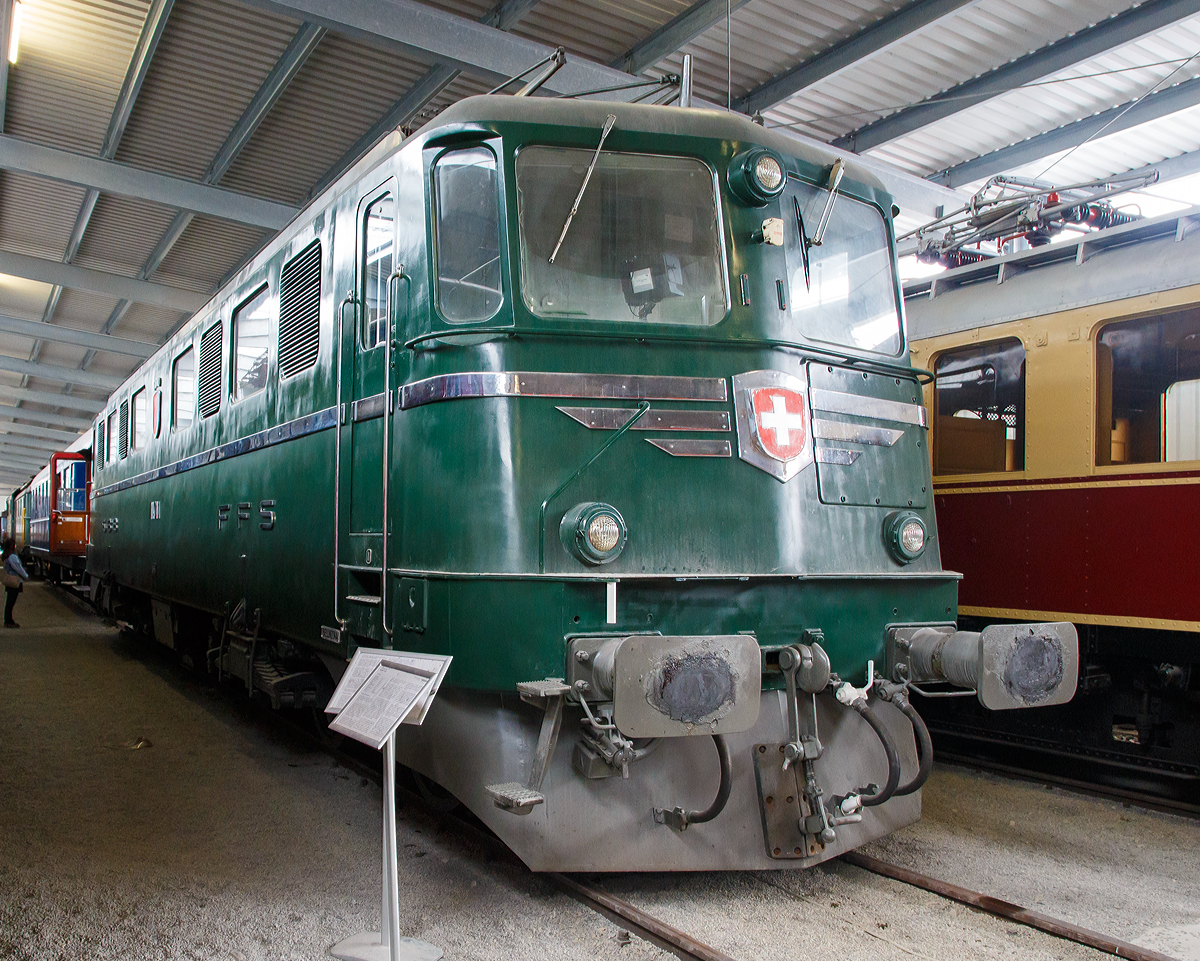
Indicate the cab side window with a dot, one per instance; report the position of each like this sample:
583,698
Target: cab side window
465,189
379,232
979,399
1148,390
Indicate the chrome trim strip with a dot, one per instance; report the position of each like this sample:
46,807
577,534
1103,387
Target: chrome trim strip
855,433
837,455
292,430
368,408
692,447
551,384
874,407
613,418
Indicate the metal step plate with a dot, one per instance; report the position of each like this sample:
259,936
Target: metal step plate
514,797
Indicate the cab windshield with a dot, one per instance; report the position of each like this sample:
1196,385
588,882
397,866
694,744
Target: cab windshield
849,294
643,247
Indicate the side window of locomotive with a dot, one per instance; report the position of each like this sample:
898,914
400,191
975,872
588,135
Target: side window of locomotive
845,293
137,425
379,239
465,188
1148,390
979,399
251,333
114,429
645,244
183,390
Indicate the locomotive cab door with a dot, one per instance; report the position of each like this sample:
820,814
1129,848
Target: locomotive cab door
366,406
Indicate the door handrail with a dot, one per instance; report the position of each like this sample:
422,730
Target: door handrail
397,274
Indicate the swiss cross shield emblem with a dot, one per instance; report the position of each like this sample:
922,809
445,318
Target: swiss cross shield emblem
780,421
774,430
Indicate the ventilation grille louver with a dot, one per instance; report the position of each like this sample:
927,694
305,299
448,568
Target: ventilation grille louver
100,444
299,311
123,435
209,386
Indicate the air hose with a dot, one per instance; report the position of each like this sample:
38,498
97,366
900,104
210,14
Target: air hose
854,698
679,819
723,789
924,747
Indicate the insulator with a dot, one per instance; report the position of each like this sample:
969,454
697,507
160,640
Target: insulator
1102,216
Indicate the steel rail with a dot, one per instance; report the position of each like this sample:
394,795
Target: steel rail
636,921
1005,909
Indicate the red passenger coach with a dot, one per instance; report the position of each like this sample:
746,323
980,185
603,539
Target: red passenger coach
58,515
1116,549
1065,442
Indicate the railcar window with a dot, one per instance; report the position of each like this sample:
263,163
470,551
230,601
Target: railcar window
644,246
848,295
114,430
183,389
137,427
251,331
379,233
72,486
1148,390
979,397
468,235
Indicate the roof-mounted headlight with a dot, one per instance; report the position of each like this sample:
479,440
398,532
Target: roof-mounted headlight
756,176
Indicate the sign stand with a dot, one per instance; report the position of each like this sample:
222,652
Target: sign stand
379,691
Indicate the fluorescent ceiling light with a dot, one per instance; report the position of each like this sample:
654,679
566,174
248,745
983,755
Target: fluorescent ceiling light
14,35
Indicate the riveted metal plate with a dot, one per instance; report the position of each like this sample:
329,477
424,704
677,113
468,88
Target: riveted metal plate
782,805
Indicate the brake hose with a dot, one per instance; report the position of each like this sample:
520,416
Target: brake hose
924,746
679,819
855,699
723,789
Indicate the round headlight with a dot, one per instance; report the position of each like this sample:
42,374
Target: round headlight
912,536
756,176
603,533
594,533
768,173
905,535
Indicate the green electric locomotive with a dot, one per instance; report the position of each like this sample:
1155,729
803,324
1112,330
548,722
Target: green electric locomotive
613,404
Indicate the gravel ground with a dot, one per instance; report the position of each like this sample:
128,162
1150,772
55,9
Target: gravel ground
144,814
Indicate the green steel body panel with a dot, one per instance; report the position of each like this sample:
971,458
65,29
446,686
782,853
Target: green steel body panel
472,571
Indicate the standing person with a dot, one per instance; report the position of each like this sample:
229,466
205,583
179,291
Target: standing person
13,574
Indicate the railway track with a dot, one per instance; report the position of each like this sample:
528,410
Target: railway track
1154,788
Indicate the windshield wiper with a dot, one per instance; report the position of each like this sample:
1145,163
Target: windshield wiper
804,241
608,125
835,178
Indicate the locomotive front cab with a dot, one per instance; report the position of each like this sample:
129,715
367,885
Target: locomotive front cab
658,465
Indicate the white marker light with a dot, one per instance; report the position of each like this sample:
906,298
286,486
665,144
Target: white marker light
14,33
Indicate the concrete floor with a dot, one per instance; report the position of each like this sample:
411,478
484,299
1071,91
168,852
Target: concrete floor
144,814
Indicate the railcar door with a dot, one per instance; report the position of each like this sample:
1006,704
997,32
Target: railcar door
364,442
